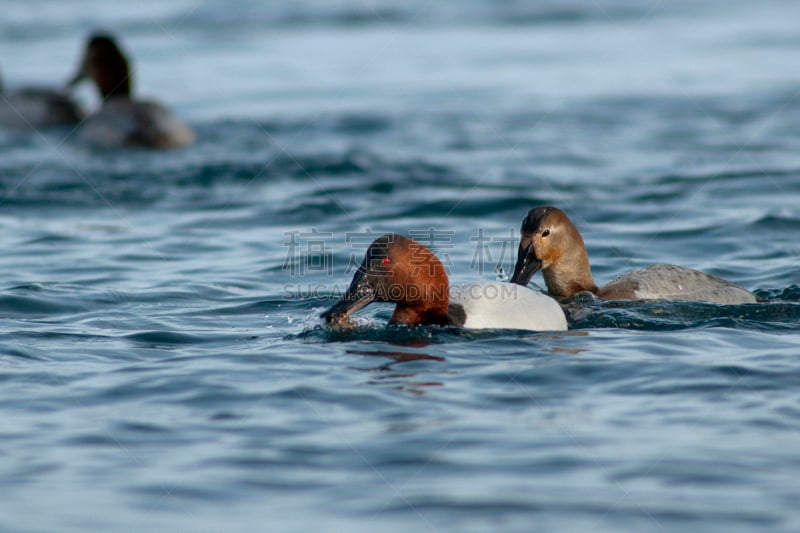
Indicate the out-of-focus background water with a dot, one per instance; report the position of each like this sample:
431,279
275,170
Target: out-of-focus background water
161,366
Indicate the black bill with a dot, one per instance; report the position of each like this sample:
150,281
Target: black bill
358,296
527,265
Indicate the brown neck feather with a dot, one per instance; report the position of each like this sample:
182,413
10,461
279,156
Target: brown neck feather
415,315
570,273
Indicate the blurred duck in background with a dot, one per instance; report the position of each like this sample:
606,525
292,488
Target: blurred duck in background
31,108
122,120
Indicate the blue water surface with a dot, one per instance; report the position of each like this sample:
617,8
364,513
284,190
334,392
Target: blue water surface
162,366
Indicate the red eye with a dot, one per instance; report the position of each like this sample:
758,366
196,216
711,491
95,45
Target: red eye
387,260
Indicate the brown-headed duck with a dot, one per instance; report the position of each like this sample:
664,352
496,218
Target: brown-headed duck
402,271
550,242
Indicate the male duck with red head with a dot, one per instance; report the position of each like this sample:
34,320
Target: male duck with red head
550,242
402,271
121,120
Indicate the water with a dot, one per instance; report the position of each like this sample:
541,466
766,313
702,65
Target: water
160,359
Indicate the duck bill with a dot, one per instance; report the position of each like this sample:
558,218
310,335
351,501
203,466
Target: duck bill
80,75
358,296
75,80
527,265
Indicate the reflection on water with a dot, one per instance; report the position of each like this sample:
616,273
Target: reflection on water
400,377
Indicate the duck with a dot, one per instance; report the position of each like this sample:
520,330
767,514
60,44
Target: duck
29,108
121,119
550,242
403,271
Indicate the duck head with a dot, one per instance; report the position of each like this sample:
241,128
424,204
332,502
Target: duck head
402,271
550,242
105,64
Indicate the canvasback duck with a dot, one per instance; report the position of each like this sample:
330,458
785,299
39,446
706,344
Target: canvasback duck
37,107
402,271
550,242
121,120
